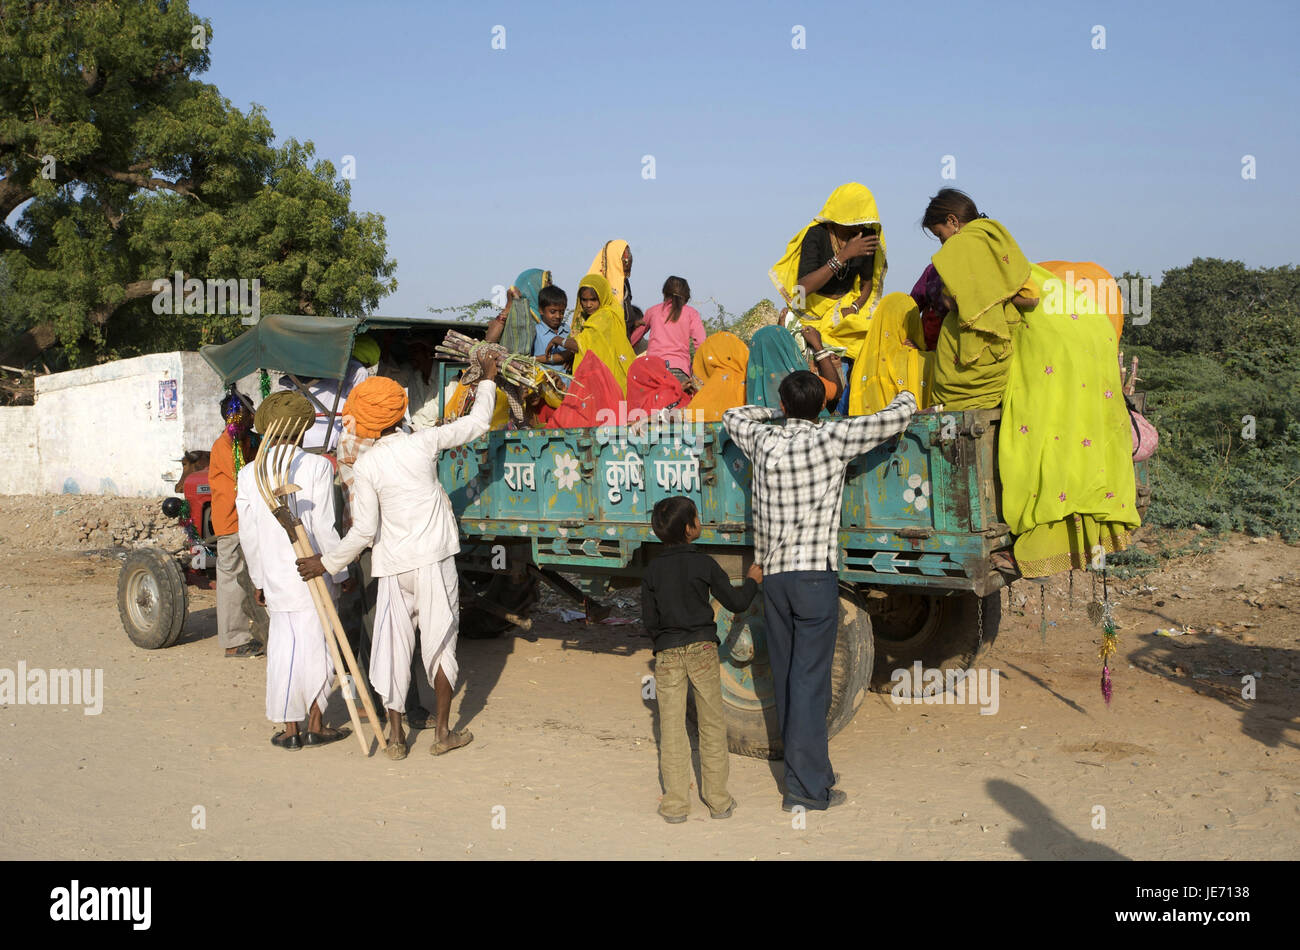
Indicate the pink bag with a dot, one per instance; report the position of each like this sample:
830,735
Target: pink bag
1145,436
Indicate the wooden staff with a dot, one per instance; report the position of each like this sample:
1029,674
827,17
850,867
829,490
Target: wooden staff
272,473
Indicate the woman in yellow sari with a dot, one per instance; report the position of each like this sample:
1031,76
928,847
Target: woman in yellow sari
614,262
720,362
1065,449
602,331
893,358
833,270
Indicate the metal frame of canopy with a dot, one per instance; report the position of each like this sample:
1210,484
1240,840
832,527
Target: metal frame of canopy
307,346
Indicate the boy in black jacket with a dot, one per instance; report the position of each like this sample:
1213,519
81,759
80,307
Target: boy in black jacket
677,614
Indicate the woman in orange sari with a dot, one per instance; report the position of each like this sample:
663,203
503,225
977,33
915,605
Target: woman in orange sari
720,364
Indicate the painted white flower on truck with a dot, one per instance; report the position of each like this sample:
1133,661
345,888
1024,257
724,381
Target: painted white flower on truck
917,493
567,472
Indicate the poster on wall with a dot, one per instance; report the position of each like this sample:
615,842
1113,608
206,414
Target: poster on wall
167,399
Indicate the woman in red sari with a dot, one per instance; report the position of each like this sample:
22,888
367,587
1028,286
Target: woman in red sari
651,386
593,392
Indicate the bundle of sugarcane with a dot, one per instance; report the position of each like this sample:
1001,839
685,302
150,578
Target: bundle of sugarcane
527,372
519,374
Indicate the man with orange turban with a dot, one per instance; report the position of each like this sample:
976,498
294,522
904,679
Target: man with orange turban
375,404
396,498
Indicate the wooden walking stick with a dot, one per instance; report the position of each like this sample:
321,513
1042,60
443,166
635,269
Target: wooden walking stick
272,475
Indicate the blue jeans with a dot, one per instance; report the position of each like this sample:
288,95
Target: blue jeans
801,612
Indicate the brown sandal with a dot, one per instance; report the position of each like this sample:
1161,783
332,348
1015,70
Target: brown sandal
395,750
454,740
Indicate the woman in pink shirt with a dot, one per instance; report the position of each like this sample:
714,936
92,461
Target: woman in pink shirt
674,329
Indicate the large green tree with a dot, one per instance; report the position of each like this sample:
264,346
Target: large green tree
118,167
1220,363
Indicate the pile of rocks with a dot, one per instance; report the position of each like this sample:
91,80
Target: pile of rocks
85,522
129,533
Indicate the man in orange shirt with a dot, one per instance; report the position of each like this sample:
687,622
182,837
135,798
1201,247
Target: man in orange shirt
236,598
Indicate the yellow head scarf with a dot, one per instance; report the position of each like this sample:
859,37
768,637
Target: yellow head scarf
608,263
604,332
848,204
721,362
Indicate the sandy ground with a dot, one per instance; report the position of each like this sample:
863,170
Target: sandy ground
564,762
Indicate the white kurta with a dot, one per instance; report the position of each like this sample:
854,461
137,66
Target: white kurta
298,668
427,598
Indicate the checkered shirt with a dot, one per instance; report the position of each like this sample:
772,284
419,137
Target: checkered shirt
799,471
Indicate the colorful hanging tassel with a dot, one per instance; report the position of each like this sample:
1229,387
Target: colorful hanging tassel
1109,645
238,419
1109,641
264,383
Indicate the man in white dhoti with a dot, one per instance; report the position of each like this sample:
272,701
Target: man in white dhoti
299,673
399,505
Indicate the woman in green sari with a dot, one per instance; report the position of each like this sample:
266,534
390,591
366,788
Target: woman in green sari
1065,449
986,277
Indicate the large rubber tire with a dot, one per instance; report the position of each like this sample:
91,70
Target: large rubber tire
518,597
151,598
747,689
942,632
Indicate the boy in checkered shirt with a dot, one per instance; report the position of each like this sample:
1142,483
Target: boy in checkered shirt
799,471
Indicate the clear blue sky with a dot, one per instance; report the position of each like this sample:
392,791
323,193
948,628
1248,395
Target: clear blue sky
486,162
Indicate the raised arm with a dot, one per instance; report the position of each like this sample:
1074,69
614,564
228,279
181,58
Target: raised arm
745,424
859,434
465,429
470,427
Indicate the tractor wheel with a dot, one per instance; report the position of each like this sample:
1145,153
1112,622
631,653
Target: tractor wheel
151,598
748,695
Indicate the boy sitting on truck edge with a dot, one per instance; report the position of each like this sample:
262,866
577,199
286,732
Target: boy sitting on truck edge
678,616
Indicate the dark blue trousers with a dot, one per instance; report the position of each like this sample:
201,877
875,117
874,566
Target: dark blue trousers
801,613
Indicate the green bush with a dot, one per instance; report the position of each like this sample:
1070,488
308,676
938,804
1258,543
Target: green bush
1220,363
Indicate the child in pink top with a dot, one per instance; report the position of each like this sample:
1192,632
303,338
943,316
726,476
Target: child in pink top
673,327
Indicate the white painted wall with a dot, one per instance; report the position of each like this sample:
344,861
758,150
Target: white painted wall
20,472
100,430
